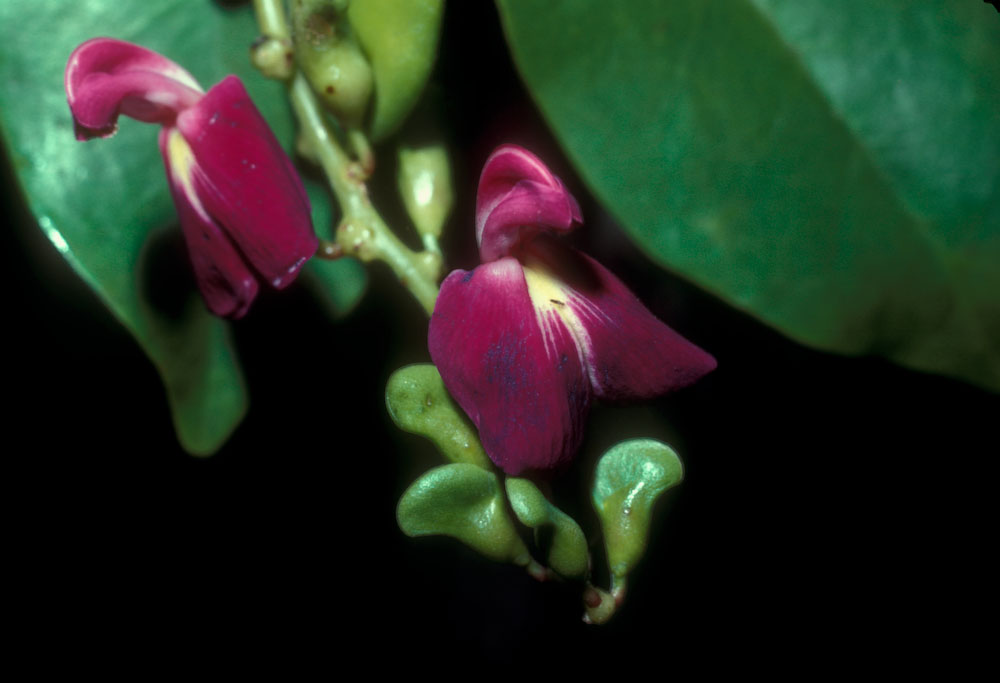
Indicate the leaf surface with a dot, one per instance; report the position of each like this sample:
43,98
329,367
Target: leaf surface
832,168
105,204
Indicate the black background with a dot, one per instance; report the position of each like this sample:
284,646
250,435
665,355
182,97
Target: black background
833,507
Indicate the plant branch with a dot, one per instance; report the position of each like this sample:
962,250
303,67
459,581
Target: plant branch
362,231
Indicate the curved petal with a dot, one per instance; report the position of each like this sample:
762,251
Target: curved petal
105,78
247,183
519,197
517,375
628,353
225,281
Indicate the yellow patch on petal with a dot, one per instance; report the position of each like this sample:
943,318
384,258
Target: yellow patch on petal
554,302
181,169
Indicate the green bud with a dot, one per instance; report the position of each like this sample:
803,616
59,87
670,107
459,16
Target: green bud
465,502
419,403
629,479
400,38
567,546
424,182
331,58
273,58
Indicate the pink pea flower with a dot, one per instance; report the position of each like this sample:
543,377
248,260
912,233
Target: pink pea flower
526,340
242,207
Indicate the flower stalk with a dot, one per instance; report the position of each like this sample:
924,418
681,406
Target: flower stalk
362,232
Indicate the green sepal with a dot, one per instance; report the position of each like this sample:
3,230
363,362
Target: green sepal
629,479
400,39
566,550
418,403
424,181
465,502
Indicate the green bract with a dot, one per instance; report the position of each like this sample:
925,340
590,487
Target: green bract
419,403
463,501
629,479
566,545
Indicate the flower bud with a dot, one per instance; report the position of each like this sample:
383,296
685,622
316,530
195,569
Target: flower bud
424,181
331,59
273,58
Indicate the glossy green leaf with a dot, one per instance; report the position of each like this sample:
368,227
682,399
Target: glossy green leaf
628,480
567,552
831,167
419,403
100,201
463,501
400,39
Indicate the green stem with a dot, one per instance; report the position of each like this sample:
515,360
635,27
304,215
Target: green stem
362,232
271,19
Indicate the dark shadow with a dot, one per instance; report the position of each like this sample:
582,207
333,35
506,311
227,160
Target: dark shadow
165,277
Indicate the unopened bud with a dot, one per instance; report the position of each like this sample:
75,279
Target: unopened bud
273,57
424,181
331,59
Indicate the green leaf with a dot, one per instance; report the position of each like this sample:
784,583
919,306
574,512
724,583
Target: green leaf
831,167
418,403
628,480
400,38
99,202
567,546
463,501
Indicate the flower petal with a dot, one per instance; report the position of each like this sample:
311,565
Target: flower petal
106,77
518,377
247,183
225,281
628,353
518,198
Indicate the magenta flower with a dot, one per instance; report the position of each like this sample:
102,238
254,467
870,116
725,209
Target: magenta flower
242,207
527,339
